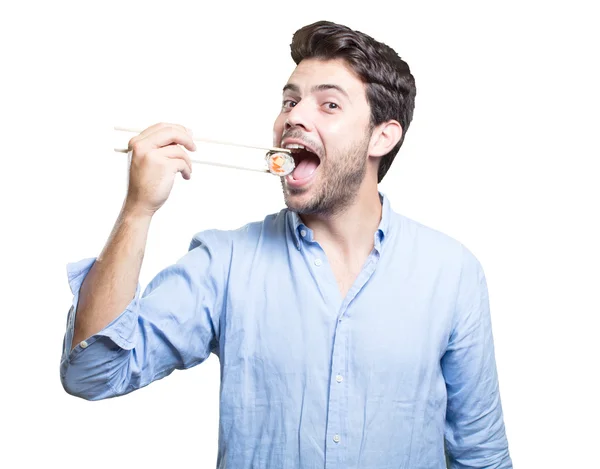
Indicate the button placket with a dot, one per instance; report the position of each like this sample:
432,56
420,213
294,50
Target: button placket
337,400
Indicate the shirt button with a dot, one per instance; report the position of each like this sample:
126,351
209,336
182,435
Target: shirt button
303,233
83,344
336,438
318,262
339,378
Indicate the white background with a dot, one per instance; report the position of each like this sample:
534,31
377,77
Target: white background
502,155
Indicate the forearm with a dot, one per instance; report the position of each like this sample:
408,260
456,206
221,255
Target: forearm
111,282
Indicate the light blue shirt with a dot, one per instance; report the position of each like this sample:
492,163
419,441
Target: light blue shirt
382,378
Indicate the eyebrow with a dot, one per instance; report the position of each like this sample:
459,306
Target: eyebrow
323,87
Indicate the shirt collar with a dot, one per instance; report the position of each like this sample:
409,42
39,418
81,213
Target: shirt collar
302,232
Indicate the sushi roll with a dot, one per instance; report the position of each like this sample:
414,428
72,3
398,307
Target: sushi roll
280,163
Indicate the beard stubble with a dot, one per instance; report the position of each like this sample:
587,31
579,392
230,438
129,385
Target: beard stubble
340,178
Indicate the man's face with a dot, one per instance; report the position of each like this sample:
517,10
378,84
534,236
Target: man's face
324,109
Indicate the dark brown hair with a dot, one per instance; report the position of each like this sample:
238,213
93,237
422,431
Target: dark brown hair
390,86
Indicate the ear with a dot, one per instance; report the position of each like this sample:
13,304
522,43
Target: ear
385,136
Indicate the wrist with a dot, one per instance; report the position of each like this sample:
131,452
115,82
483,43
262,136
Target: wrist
133,213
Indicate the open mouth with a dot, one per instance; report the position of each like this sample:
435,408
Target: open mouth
306,161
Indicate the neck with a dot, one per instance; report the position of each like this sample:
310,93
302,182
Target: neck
349,232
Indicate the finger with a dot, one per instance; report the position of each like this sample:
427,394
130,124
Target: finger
168,135
153,128
172,151
179,165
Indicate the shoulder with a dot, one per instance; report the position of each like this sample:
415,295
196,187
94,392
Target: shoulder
433,243
219,240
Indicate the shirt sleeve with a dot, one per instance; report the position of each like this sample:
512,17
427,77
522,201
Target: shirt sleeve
174,324
475,431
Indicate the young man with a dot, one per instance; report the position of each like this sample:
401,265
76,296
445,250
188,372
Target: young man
349,336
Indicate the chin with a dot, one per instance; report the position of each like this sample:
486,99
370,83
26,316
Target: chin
296,198
306,203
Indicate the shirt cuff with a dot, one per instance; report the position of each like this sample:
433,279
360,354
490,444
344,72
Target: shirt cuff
120,330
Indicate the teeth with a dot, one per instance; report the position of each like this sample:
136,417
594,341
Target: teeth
294,146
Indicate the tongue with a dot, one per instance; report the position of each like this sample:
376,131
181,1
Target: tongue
305,168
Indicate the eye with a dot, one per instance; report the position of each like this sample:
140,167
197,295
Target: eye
288,103
331,106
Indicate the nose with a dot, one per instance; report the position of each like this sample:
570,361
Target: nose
298,116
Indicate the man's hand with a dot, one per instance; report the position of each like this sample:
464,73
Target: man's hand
157,157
